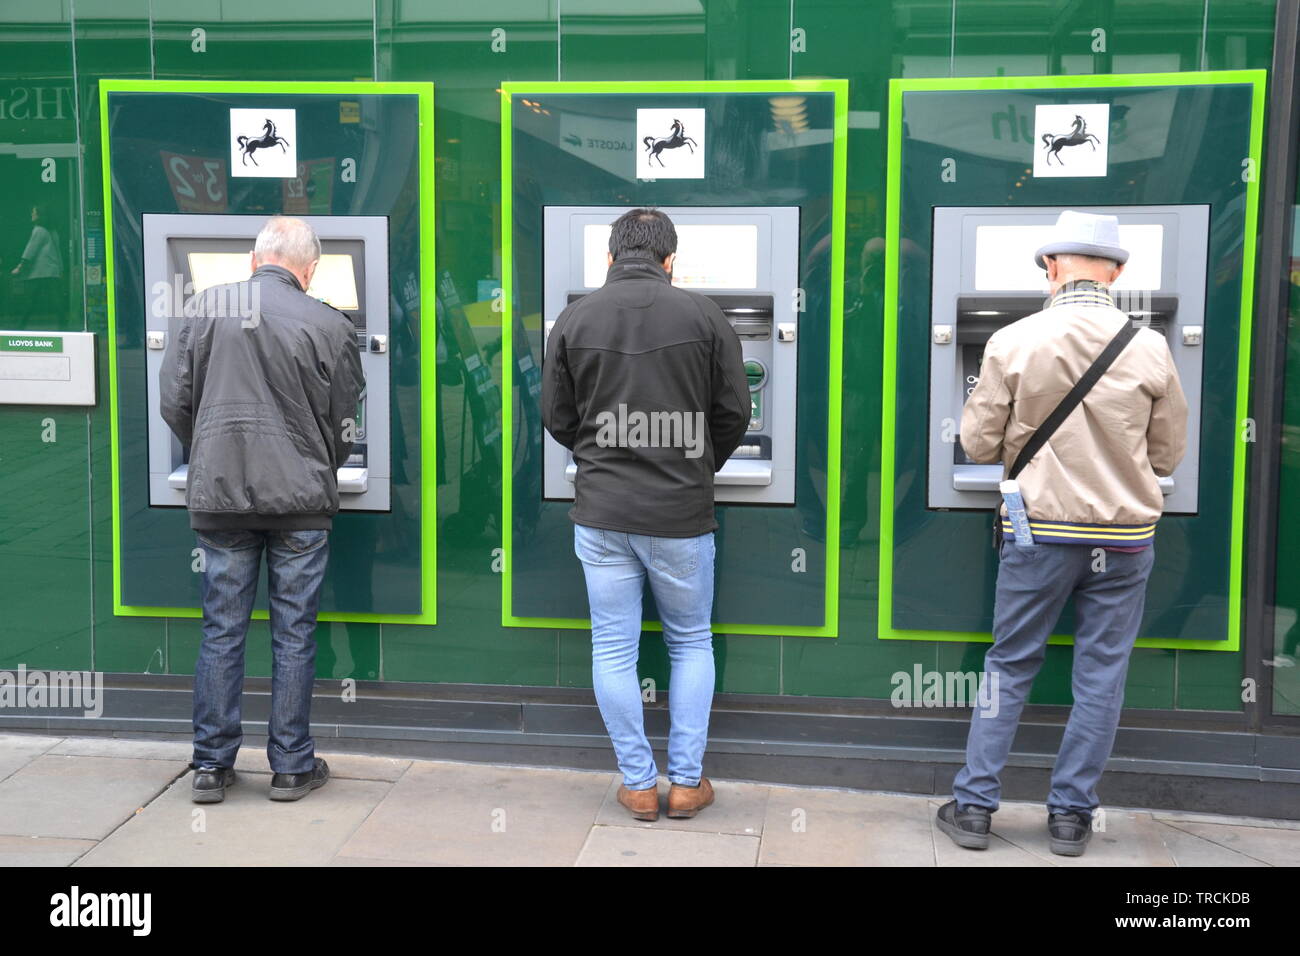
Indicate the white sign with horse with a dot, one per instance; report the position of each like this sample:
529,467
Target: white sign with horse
1071,139
264,143
670,144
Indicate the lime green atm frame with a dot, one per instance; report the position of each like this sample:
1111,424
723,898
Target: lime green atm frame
1223,172
814,610
151,546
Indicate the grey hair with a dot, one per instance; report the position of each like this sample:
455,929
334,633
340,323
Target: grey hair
1078,259
287,241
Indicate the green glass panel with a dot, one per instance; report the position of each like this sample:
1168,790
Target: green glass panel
467,58
1091,36
454,47
45,542
251,40
603,40
112,40
867,44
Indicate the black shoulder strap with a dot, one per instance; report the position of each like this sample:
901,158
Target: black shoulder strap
1081,388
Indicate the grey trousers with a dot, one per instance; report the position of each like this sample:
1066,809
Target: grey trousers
1033,586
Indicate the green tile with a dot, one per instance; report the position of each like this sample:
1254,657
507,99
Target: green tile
1209,680
742,663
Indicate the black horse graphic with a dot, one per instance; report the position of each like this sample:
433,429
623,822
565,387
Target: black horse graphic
269,138
675,139
1077,136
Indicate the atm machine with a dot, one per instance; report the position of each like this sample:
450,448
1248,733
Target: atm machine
984,277
186,254
746,259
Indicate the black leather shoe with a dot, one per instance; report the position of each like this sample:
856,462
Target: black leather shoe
968,826
1070,832
295,786
209,785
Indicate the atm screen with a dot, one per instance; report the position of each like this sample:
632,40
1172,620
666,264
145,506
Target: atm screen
1004,257
334,282
709,256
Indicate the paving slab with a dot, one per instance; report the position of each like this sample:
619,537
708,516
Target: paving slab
79,797
1130,838
842,828
1188,849
637,846
482,815
1176,817
179,751
18,750
1268,845
737,808
1000,852
368,861
246,829
343,765
41,851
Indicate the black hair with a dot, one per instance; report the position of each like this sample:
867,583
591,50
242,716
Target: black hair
643,232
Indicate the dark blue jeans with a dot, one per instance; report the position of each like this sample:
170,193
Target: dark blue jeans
1033,585
295,567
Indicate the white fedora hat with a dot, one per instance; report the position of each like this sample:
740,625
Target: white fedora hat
1084,234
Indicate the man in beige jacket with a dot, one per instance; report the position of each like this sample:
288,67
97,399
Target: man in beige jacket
1093,500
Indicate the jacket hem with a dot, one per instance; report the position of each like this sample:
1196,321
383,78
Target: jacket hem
252,521
1076,532
625,529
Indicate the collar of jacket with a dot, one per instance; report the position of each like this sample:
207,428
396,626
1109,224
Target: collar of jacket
1083,292
280,273
636,267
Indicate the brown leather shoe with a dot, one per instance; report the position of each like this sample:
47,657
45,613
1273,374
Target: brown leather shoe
685,802
644,804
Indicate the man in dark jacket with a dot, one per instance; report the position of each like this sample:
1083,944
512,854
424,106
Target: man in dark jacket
262,382
645,383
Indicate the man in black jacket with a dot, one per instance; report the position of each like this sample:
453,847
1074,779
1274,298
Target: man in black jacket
262,382
645,383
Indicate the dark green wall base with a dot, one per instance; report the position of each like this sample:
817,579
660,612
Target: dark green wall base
1206,763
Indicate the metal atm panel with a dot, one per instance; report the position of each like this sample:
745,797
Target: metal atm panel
359,244
984,277
754,284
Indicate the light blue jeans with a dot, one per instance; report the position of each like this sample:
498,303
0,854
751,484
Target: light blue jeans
680,570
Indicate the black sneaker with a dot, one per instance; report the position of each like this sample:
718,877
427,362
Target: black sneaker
1070,832
295,786
968,826
209,785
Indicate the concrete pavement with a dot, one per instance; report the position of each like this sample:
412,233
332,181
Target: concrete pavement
97,801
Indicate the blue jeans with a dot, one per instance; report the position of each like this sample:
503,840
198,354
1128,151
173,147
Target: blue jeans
1033,586
295,565
680,570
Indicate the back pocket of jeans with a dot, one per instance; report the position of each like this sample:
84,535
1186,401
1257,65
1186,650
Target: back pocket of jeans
589,544
304,541
679,557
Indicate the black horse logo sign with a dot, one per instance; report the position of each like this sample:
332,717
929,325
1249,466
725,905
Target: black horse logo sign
268,138
1077,136
673,140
